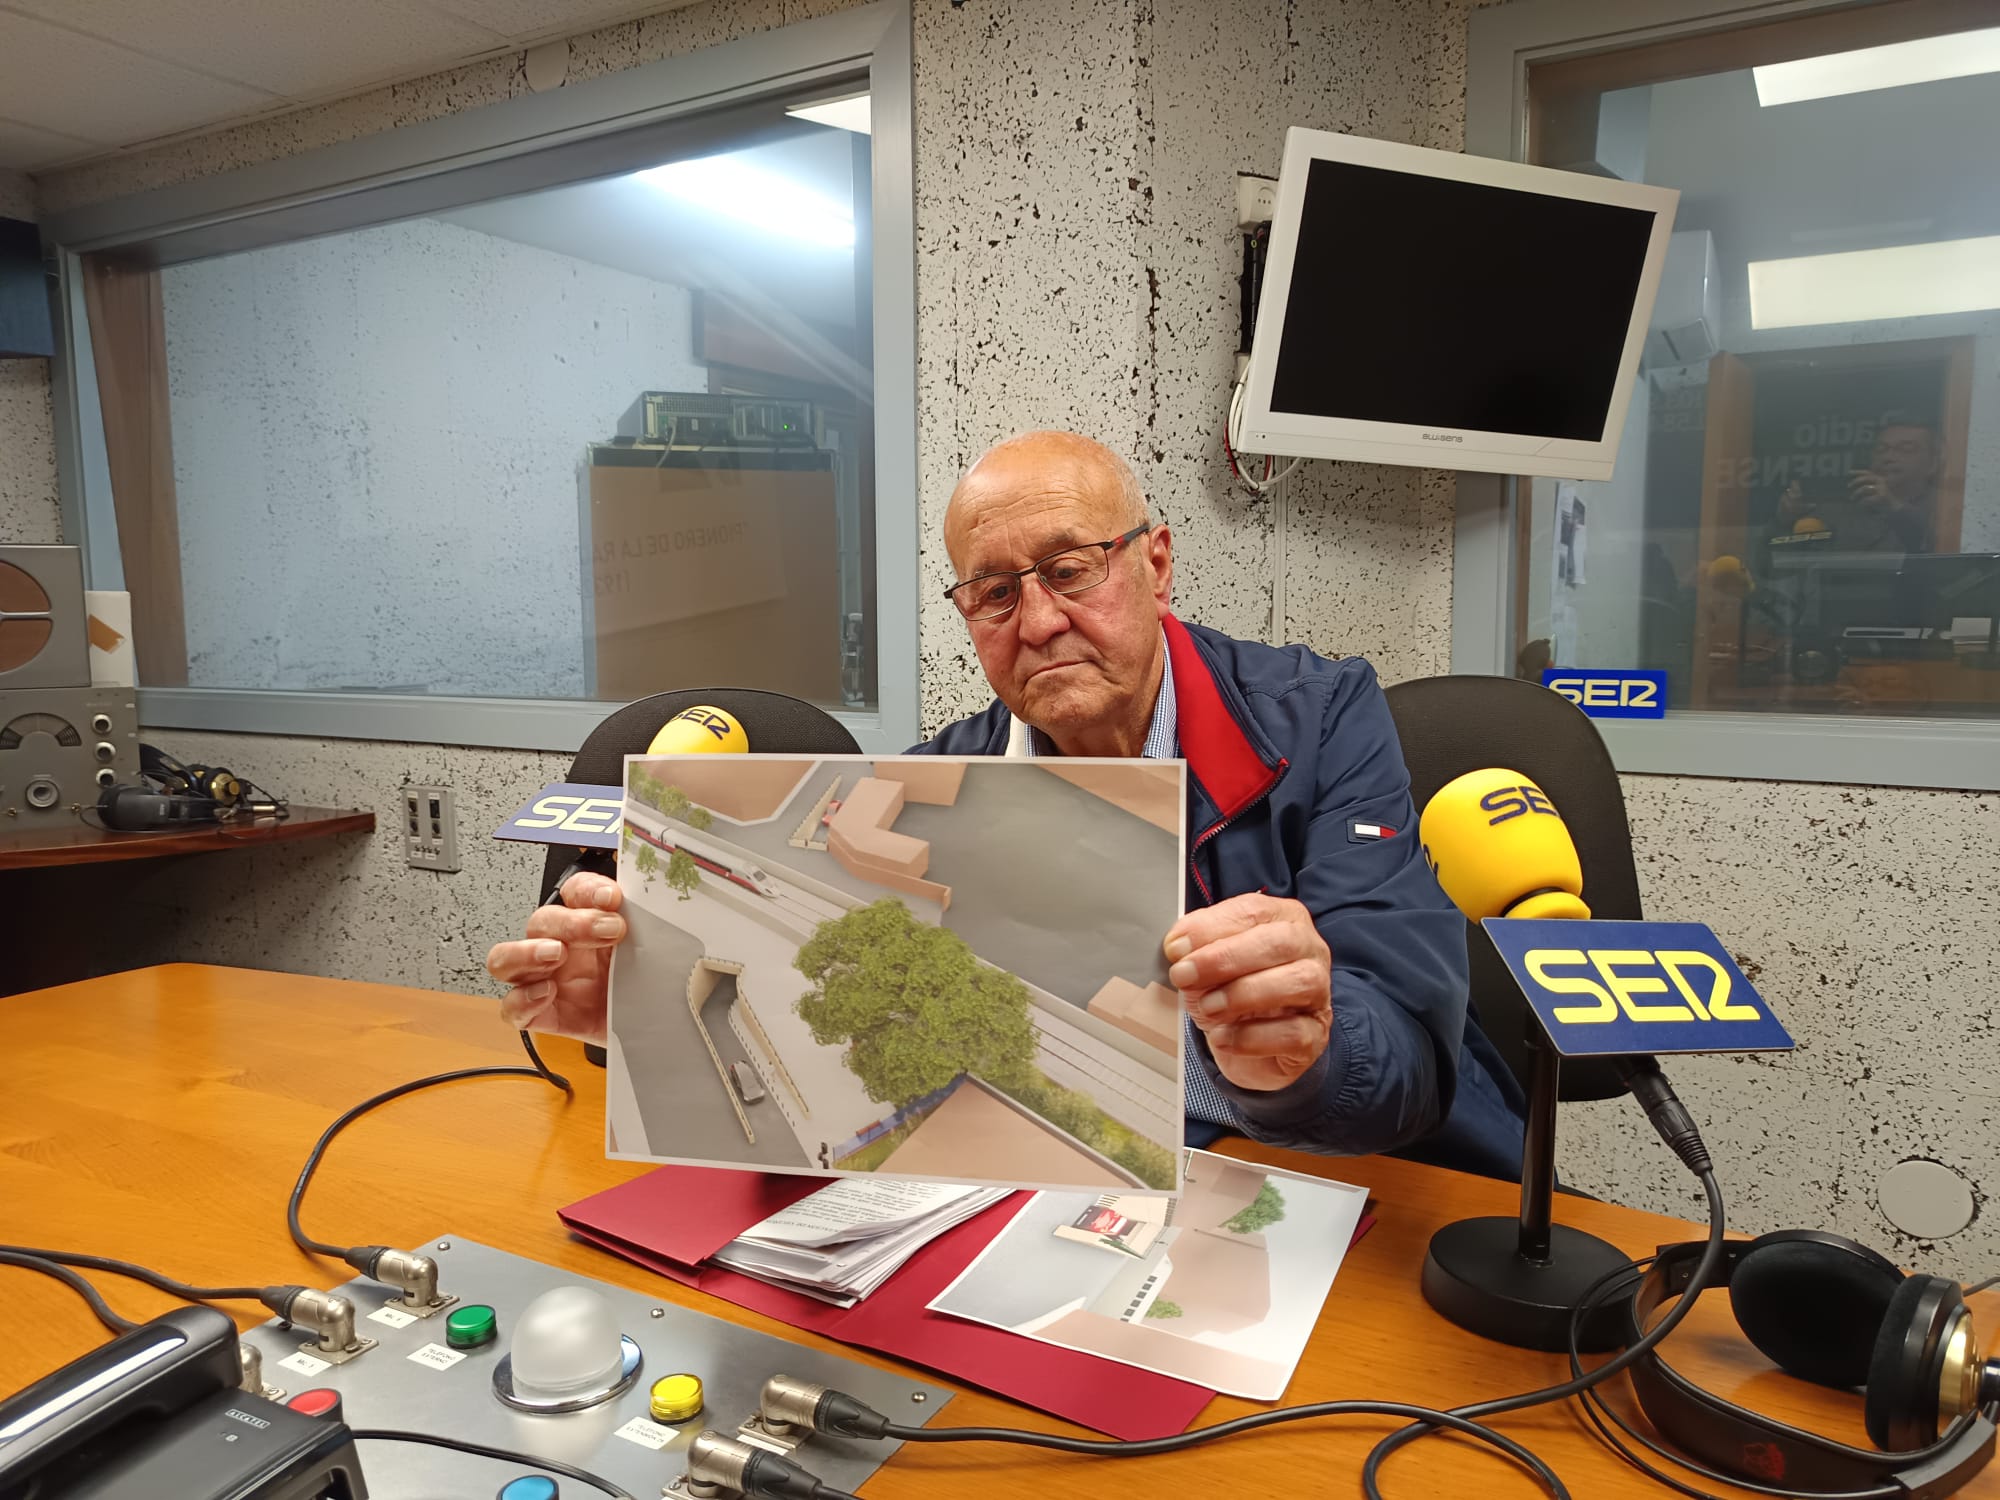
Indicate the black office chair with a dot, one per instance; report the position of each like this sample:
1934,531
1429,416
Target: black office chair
772,722
1451,725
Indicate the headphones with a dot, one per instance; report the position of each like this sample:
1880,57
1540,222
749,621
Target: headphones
1830,1311
174,795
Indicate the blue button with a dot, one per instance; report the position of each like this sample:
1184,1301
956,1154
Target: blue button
529,1487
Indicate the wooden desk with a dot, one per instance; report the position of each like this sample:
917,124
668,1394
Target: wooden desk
161,1115
74,842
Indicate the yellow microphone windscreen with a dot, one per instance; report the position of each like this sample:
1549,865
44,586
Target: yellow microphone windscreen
1500,849
698,729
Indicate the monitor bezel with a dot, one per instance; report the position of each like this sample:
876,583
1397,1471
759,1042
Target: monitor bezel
1287,434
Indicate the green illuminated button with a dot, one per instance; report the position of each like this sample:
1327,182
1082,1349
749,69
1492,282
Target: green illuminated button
470,1327
675,1398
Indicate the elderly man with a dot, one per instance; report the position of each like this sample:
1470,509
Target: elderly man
1322,969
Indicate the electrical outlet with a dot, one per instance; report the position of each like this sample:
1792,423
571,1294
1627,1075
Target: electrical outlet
1256,200
430,828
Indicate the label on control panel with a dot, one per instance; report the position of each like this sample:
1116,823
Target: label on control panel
647,1433
391,1317
436,1356
303,1363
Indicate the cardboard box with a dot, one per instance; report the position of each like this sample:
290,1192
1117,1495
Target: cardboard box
712,577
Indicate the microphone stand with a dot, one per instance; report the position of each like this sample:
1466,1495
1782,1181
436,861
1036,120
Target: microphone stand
1518,1280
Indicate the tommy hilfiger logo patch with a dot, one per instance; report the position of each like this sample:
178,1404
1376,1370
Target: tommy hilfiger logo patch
1362,832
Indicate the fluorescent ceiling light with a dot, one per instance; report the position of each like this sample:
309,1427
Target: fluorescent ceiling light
1960,55
851,113
756,196
1898,281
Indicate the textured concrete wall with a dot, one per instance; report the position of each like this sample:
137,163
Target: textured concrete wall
29,510
1075,265
424,525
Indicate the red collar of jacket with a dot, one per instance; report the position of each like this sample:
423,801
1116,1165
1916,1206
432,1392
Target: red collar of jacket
1214,741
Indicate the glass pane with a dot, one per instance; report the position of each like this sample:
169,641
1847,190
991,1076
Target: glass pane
593,442
1805,516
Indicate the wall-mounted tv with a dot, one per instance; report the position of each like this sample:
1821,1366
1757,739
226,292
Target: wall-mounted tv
1449,311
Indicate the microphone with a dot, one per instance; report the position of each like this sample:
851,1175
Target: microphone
1499,848
700,729
586,817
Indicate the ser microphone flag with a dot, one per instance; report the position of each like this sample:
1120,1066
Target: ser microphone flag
588,817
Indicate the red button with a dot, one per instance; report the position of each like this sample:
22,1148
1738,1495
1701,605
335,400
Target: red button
319,1403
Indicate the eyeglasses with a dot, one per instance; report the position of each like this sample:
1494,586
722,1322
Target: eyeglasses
992,596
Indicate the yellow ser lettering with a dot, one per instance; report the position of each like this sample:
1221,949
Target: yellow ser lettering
1720,1006
597,815
552,811
1625,986
1539,961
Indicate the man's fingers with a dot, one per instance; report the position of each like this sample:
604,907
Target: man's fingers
524,959
522,1006
1291,988
588,890
1226,919
1279,1036
585,927
1268,945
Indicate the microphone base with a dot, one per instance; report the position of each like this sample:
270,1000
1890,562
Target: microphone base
1476,1276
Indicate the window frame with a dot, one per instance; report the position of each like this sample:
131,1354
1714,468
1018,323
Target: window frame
1960,754
517,146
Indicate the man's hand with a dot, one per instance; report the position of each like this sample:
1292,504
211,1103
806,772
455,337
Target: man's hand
1869,488
1257,978
560,972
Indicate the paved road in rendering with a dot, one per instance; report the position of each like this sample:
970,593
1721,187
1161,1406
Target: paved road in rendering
681,1098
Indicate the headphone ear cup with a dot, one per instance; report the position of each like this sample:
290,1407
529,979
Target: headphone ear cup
1813,1303
1901,1411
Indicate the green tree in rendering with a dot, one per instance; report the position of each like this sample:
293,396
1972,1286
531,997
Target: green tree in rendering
1165,1309
912,1005
668,800
648,861
683,874
625,839
1265,1210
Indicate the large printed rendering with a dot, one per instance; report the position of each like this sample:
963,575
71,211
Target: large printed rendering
930,967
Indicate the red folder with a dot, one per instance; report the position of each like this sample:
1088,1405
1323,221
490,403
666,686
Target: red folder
674,1218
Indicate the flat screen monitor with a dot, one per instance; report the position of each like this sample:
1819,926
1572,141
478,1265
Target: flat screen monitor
1448,311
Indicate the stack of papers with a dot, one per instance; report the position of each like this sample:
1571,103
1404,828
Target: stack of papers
842,1242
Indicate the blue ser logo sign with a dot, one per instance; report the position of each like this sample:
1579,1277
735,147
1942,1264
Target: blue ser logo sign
567,813
1611,693
1603,988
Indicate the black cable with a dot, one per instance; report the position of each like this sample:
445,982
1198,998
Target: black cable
480,1450
74,1282
1704,1272
542,1068
137,1272
1175,1442
341,1252
1981,1286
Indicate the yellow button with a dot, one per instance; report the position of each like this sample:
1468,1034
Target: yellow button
676,1398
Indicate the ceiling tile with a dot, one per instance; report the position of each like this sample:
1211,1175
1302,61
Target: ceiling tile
298,48
77,85
521,19
23,148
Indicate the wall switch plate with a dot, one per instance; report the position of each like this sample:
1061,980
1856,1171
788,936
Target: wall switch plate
1256,200
430,828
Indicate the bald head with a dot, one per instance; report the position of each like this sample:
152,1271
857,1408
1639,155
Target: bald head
1081,663
1082,466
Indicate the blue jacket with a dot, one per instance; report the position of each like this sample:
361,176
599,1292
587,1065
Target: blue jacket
1287,753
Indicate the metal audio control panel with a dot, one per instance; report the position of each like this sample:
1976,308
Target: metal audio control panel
528,1357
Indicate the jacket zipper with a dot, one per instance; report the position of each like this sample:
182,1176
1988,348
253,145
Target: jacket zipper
1213,829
